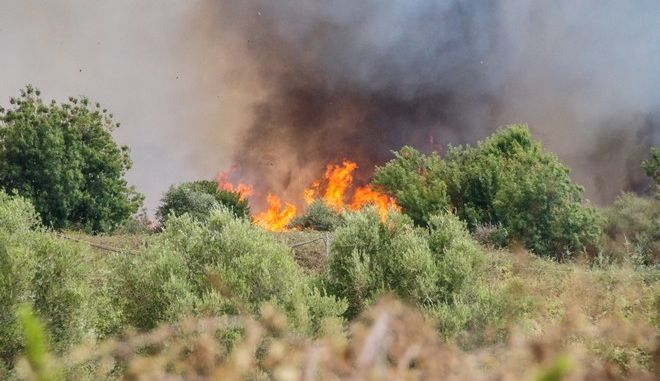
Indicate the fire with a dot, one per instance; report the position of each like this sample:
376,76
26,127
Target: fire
338,179
276,217
365,195
335,189
243,190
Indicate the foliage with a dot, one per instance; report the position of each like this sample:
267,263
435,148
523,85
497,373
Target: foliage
318,216
198,198
632,230
63,158
438,268
508,181
415,181
223,266
43,272
389,341
651,167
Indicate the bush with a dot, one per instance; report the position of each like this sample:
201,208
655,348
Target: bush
318,216
43,272
651,167
439,268
632,230
223,266
198,198
507,181
63,158
416,182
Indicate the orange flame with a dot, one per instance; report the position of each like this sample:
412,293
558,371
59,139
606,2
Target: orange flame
224,184
332,189
365,195
338,179
276,217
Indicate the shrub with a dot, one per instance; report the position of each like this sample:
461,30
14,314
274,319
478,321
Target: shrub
439,268
63,158
223,266
198,198
43,272
508,181
318,216
632,230
416,182
651,167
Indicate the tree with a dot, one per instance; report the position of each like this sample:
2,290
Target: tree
63,158
198,198
416,182
508,181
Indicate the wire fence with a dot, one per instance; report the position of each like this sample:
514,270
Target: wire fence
325,238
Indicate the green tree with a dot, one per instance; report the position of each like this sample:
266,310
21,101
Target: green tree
63,158
198,198
508,181
416,182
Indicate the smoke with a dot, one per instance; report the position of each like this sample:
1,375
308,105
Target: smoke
359,79
138,59
282,87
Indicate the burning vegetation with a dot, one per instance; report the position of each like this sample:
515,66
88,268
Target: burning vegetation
335,188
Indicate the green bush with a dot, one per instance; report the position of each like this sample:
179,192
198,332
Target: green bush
44,272
508,181
632,230
416,182
651,167
63,158
198,198
318,216
439,267
223,266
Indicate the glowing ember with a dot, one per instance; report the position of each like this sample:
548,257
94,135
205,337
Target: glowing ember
243,190
276,217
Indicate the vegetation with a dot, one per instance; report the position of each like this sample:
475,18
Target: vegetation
632,230
41,271
651,167
63,158
198,199
225,266
439,268
213,296
508,181
319,217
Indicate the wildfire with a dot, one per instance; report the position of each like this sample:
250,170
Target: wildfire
243,190
276,217
338,179
333,189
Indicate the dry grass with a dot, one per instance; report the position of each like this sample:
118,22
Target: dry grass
390,341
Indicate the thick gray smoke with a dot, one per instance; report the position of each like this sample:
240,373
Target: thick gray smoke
281,87
358,79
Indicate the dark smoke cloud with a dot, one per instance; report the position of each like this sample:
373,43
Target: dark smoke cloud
358,79
283,86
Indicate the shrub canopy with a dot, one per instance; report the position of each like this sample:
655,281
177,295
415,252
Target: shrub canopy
44,272
198,198
225,265
319,216
508,180
63,158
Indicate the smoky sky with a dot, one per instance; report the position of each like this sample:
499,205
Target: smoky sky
280,88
